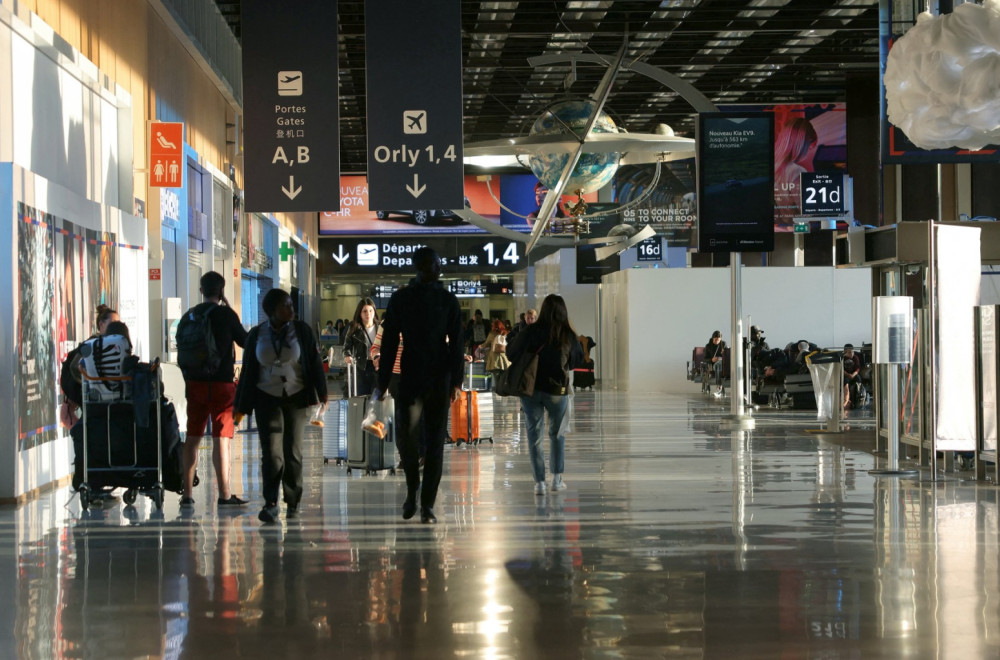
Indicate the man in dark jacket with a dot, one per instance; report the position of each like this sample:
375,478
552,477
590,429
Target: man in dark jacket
430,321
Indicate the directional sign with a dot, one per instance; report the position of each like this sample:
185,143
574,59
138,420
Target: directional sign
290,108
822,194
650,249
414,74
394,256
166,154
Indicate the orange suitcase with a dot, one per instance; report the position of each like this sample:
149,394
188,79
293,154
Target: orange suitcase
465,425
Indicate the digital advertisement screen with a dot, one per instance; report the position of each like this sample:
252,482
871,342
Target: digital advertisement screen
735,182
519,193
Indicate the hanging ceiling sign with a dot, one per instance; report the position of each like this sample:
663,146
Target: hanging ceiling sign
414,73
394,256
290,107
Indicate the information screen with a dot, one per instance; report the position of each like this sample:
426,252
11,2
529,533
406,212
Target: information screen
735,182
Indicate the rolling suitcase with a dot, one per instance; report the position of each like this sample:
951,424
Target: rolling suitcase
335,427
335,432
467,418
366,451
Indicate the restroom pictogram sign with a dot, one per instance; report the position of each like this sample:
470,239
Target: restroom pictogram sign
166,153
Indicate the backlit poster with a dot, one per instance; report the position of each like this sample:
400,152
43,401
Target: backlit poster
36,377
669,207
510,200
71,322
101,276
735,182
808,137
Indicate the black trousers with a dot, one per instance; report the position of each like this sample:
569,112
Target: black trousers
422,415
281,424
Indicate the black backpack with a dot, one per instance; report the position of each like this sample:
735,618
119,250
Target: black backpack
197,354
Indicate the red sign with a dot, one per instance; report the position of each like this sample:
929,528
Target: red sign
166,154
154,273
236,272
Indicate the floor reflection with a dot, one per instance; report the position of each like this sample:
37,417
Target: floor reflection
676,538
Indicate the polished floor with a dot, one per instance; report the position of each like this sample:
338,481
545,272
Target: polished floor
675,539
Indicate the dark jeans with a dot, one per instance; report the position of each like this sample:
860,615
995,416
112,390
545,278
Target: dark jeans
281,424
422,414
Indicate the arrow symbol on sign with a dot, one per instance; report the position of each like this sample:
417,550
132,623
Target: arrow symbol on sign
291,192
416,190
340,257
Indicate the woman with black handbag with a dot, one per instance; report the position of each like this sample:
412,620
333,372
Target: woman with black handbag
554,341
358,345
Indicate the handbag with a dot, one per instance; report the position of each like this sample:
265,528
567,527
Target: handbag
519,378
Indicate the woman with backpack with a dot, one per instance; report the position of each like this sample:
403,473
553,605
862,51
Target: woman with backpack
282,377
553,339
358,345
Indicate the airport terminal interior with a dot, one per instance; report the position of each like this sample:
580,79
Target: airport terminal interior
802,189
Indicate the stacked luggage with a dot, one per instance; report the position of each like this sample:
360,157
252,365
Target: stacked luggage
471,418
128,437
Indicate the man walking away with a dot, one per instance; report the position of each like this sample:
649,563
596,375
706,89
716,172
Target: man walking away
205,354
429,319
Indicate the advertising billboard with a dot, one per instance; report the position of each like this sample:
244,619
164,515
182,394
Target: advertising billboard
510,200
808,137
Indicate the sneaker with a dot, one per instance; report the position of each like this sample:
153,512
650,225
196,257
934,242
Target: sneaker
292,512
232,501
187,502
558,483
269,514
717,394
539,488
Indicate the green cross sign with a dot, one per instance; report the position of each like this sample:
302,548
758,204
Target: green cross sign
284,251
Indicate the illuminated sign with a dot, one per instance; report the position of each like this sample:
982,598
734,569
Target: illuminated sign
459,254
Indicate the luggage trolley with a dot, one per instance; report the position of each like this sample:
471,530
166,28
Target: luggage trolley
112,397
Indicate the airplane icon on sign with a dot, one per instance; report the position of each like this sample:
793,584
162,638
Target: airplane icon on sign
413,122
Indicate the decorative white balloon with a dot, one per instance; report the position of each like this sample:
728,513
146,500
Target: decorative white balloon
942,78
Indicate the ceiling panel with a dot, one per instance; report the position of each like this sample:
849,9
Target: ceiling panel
732,51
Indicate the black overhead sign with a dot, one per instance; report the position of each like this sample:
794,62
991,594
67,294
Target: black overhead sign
290,106
414,71
394,256
822,194
735,182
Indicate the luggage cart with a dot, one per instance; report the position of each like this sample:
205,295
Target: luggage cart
112,398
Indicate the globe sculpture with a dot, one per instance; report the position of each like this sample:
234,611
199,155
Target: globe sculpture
594,170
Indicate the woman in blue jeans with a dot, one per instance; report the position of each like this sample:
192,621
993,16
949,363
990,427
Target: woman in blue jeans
558,349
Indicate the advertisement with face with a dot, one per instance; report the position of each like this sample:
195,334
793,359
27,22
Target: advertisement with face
807,138
510,200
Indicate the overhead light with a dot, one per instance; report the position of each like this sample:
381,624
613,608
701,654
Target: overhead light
492,161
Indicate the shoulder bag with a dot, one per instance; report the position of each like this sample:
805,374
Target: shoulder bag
519,378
